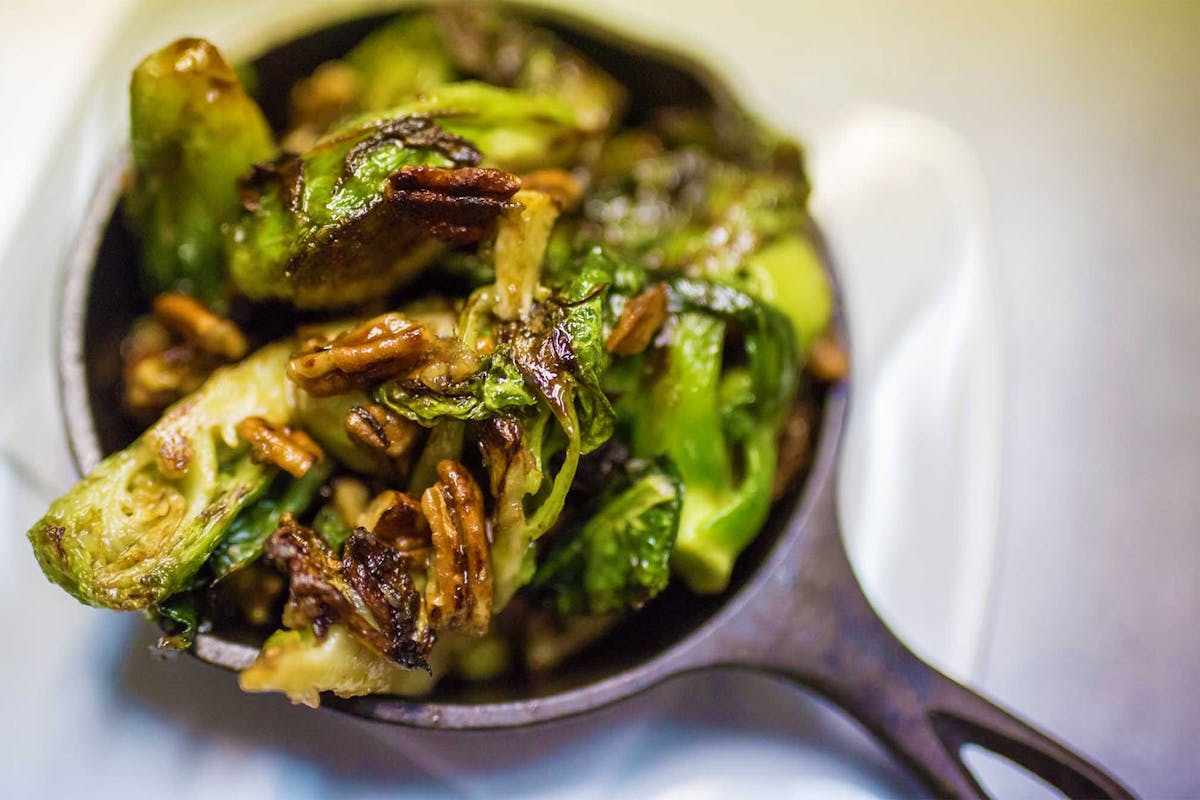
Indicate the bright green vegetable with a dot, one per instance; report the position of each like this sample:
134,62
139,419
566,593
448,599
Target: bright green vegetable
515,130
132,533
179,620
718,424
403,58
243,542
689,211
195,132
330,526
619,558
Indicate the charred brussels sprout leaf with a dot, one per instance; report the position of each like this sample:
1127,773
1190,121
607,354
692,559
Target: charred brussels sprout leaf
619,558
515,130
370,590
195,131
135,529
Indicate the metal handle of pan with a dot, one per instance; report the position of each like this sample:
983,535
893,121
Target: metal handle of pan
836,644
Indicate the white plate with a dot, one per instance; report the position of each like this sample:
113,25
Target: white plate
88,711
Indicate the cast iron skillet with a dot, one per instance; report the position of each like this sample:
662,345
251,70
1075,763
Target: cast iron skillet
794,609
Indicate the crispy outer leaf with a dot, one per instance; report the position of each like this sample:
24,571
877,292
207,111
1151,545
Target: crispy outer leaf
135,529
619,557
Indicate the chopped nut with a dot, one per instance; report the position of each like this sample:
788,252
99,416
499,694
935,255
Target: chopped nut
317,102
458,590
155,371
396,517
640,320
287,448
200,327
369,590
561,186
384,432
828,359
154,381
384,347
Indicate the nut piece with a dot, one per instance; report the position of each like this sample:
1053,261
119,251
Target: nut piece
287,448
384,432
458,589
395,517
156,372
381,348
331,93
640,320
561,186
828,359
200,327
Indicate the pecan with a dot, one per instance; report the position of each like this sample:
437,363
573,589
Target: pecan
384,347
396,518
828,360
383,431
287,448
371,576
458,590
457,206
154,381
559,185
315,103
200,327
640,320
155,371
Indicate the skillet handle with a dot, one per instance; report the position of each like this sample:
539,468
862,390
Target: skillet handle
833,642
925,718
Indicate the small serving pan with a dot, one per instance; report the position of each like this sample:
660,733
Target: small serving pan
794,607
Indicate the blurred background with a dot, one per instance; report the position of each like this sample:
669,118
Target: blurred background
1068,136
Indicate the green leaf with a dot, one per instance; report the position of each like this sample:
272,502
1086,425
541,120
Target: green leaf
619,558
243,542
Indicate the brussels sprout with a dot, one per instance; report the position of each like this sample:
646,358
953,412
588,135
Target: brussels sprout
515,130
418,53
301,665
619,557
131,533
718,424
195,131
365,210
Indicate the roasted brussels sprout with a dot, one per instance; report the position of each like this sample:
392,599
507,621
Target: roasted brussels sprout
619,556
133,532
195,131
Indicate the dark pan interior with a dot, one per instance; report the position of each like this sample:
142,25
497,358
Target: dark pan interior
115,298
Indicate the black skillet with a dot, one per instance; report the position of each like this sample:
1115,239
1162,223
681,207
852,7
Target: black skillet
794,609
